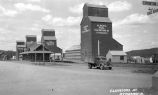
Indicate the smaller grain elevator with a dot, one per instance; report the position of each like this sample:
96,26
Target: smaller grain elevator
30,40
49,40
20,47
96,32
48,37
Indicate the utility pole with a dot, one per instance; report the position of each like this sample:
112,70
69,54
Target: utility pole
35,58
43,53
98,48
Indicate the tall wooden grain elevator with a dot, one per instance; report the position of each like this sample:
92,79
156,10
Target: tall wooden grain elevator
96,32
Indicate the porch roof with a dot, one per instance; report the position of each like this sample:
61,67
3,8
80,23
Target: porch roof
29,52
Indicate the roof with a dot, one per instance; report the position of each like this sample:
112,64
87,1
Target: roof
48,30
99,19
21,46
115,41
136,57
20,41
49,37
93,5
74,47
54,49
1,52
30,35
34,47
30,44
156,74
36,52
117,52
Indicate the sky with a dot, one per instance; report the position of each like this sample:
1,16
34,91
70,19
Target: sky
132,27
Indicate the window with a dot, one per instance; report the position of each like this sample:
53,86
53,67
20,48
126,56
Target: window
121,57
49,33
20,43
31,39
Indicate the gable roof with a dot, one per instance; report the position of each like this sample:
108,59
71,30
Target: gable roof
99,19
30,36
49,38
113,52
1,52
115,41
95,19
34,47
74,47
93,5
54,49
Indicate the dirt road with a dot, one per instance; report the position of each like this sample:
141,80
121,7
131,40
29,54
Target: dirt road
68,79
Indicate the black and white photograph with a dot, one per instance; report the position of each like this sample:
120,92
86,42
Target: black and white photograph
78,47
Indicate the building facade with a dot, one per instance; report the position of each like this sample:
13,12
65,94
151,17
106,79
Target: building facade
117,56
138,59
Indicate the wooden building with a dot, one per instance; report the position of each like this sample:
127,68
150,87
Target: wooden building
117,56
37,53
20,47
73,53
41,52
96,32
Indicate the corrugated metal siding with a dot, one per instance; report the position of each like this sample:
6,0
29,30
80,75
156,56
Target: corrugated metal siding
73,54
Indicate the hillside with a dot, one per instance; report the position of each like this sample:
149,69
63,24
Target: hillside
9,54
143,52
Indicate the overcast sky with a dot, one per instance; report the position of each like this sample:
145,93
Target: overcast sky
131,26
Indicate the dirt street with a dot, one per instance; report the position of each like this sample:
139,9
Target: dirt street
66,79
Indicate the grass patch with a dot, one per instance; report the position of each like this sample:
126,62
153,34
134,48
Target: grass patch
147,71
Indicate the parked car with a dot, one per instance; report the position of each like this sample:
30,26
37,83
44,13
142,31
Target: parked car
100,62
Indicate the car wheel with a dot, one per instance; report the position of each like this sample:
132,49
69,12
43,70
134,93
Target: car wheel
101,67
110,68
89,66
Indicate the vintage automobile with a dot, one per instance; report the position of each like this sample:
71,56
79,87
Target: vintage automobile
100,62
